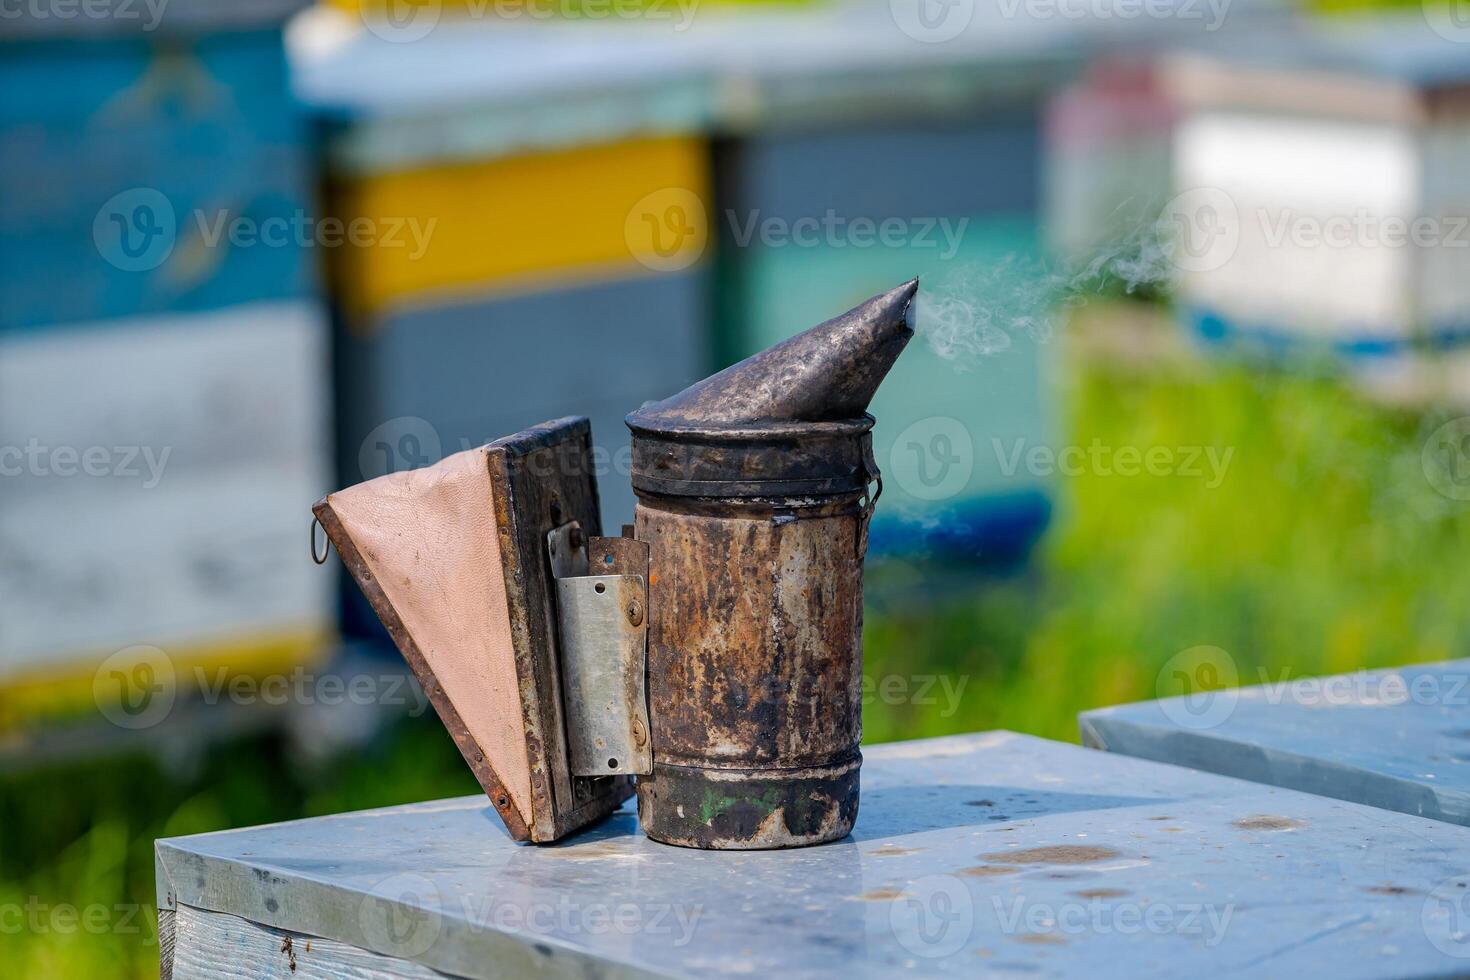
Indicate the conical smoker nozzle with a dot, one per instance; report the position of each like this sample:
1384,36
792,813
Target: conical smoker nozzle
827,373
789,420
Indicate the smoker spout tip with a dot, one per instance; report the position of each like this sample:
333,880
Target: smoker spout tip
894,307
907,292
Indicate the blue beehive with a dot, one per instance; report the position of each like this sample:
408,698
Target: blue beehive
158,307
121,156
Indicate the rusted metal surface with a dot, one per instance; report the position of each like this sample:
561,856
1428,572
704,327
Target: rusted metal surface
757,627
566,549
754,460
749,809
754,666
753,497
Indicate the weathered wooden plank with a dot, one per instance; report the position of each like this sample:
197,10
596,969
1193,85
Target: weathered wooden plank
216,946
166,918
994,852
1396,739
542,478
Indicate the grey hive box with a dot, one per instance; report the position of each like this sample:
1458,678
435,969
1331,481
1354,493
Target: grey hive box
433,379
994,853
478,369
1397,739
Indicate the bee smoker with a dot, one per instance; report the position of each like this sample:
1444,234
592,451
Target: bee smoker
713,652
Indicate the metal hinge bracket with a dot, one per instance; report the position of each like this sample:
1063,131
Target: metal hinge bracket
602,622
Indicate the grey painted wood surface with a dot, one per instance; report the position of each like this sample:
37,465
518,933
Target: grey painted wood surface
1397,739
995,853
215,945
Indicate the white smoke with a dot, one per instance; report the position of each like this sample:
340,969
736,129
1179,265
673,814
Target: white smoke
974,311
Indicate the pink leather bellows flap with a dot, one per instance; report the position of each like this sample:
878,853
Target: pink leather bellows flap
450,558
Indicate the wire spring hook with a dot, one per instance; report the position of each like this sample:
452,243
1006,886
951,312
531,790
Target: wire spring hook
320,557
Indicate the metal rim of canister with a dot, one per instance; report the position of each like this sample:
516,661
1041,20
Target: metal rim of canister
776,459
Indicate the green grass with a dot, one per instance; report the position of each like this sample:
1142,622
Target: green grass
83,837
1324,549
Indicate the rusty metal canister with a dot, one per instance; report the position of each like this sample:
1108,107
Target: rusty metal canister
755,487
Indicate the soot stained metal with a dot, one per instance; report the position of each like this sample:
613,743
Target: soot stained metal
744,570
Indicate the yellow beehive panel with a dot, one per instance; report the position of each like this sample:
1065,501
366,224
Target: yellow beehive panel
140,686
593,212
